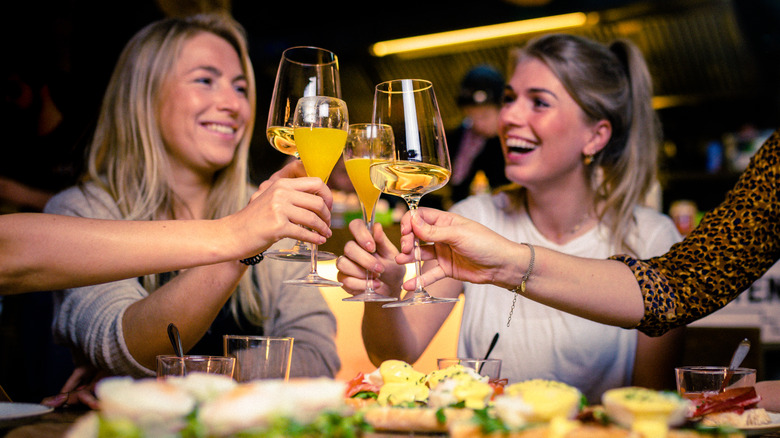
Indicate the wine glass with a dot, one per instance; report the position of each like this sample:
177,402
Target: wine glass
303,71
320,126
361,139
421,163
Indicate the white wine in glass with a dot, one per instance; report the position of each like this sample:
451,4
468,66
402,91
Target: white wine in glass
303,71
320,129
421,163
361,139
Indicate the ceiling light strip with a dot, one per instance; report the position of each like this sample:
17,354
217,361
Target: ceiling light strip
482,33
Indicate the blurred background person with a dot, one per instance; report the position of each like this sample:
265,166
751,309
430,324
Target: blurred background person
475,149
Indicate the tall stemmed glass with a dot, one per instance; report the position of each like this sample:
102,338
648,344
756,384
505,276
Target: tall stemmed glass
421,163
361,139
303,71
320,126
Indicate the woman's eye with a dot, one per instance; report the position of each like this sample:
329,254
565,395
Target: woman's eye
508,98
206,81
540,103
243,89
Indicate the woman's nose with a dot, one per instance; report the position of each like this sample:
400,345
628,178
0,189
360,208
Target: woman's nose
229,100
513,114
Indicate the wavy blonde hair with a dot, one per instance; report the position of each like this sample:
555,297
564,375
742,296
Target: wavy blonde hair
608,82
127,156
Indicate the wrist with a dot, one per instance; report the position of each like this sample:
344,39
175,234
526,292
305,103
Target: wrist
517,267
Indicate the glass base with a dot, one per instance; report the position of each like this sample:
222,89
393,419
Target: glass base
313,280
298,255
370,297
420,297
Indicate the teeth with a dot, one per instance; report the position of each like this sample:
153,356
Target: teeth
519,143
222,129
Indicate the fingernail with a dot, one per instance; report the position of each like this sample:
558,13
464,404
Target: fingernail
402,229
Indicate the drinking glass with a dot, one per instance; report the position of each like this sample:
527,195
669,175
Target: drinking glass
170,365
361,139
421,162
320,126
303,71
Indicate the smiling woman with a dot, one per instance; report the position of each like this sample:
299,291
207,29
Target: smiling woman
579,139
207,77
172,143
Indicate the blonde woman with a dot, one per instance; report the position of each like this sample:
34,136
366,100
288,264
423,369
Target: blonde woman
172,143
579,138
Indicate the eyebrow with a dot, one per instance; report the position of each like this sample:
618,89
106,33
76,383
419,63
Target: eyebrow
217,72
543,91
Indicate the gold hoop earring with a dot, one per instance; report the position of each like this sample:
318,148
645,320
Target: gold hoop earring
587,159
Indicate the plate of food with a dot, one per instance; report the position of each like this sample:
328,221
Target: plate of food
216,406
461,404
736,407
13,412
761,429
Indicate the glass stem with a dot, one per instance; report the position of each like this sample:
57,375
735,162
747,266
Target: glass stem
370,225
314,258
412,202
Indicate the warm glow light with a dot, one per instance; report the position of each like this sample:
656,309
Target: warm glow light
483,33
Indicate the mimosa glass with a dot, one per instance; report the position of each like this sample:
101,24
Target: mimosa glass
320,126
421,163
361,139
303,71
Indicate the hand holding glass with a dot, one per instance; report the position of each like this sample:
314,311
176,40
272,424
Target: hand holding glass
320,130
361,139
421,163
303,71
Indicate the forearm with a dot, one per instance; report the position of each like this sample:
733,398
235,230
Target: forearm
46,251
191,300
405,333
604,291
387,334
769,391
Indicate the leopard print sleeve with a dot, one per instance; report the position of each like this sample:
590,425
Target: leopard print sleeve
732,247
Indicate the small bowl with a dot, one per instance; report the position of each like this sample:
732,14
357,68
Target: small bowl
696,381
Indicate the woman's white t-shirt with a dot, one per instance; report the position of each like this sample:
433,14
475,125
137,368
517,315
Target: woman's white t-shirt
543,342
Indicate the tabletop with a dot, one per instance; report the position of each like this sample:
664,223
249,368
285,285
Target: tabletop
55,424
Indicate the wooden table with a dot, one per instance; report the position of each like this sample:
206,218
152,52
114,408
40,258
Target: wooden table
54,424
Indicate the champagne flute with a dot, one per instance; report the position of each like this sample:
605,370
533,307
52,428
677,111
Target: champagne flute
320,126
361,139
421,163
303,71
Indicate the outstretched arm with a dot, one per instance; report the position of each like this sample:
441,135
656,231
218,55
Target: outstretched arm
604,291
48,251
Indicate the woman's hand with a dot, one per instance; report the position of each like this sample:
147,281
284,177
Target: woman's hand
288,204
78,389
370,252
465,250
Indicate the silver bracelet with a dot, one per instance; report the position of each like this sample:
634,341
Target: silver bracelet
521,288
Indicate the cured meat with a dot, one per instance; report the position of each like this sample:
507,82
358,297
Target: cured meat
730,400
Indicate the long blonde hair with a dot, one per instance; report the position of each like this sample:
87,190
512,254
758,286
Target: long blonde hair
608,83
128,158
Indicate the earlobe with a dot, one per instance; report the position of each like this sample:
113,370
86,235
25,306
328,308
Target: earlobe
600,135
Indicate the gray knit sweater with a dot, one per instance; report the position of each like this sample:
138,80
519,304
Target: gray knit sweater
89,319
